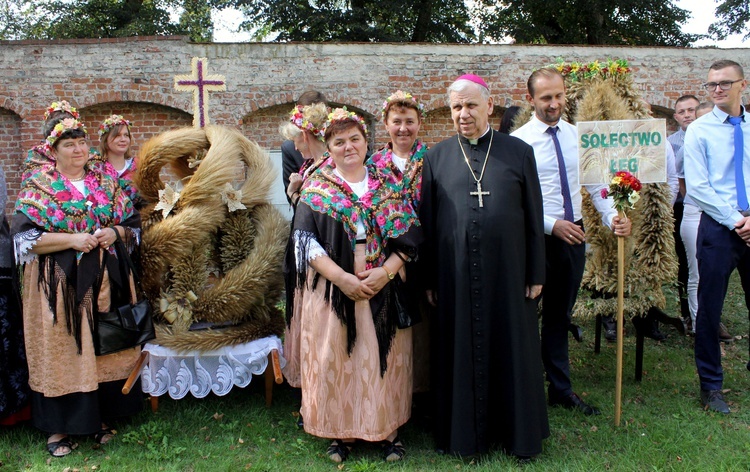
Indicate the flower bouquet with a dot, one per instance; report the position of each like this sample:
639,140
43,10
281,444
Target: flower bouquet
623,189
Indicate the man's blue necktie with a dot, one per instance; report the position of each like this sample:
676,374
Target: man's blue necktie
564,186
739,153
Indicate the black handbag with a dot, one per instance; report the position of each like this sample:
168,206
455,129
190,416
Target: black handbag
129,325
405,303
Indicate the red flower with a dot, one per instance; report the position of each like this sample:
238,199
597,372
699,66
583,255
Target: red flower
604,193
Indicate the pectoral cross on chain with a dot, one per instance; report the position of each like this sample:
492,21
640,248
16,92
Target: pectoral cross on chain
479,194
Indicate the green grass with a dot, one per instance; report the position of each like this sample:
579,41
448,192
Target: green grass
663,426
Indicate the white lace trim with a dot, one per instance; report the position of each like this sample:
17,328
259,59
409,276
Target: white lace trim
201,373
23,243
313,250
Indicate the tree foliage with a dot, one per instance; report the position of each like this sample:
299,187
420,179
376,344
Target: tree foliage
65,19
359,20
732,17
621,22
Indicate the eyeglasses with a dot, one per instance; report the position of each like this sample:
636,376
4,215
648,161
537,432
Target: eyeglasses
725,85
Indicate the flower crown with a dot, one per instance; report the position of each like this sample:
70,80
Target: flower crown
297,118
61,127
110,123
342,114
401,96
62,105
576,71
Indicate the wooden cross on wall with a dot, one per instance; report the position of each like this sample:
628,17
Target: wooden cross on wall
200,84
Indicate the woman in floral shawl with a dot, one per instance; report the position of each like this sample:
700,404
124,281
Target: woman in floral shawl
401,161
305,129
402,156
353,232
38,156
66,221
115,155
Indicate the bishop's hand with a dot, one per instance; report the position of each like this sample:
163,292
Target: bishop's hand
533,291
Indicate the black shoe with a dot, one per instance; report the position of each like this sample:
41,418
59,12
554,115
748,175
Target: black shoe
300,422
523,460
654,333
573,402
713,400
610,328
576,331
648,327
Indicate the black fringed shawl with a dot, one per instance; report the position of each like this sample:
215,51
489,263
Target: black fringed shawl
288,266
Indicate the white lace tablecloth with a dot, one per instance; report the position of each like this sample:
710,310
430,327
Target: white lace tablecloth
208,371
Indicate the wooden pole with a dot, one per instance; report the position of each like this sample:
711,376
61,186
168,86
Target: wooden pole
134,373
620,309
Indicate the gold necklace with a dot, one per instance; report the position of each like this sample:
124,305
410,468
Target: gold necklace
78,179
478,193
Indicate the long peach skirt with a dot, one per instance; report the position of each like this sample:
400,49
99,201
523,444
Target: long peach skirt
292,343
55,367
344,396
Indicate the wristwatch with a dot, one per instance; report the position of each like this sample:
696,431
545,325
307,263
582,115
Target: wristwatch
391,275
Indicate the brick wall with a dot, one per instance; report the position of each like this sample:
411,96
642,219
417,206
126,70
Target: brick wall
134,77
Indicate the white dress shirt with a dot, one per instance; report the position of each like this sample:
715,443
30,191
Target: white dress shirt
535,134
709,165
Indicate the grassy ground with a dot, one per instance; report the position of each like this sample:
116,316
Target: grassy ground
663,426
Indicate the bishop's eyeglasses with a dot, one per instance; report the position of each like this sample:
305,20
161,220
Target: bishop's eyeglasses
725,85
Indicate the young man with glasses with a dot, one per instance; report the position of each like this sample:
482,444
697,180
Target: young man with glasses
717,159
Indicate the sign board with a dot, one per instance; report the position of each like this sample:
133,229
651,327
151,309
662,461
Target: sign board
636,146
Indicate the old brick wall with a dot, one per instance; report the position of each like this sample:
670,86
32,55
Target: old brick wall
134,77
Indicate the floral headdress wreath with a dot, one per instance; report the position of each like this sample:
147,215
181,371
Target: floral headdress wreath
62,105
576,71
341,114
297,118
401,96
111,122
60,128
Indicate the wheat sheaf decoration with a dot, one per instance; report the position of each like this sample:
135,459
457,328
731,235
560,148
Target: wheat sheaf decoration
211,253
650,259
